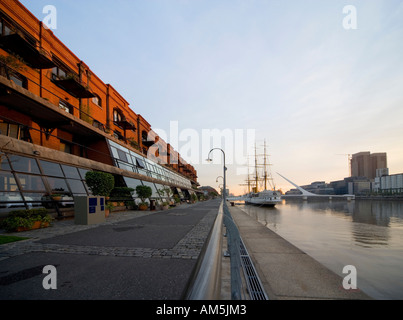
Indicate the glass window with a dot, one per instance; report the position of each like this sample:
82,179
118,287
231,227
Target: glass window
58,185
65,106
71,172
18,80
23,164
33,199
117,116
30,182
122,156
14,131
115,153
83,172
124,166
51,169
150,184
7,182
4,165
143,172
65,147
97,100
132,183
76,186
140,163
3,128
11,197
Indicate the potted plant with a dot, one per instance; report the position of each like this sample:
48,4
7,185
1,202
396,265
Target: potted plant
56,196
143,192
176,199
193,198
165,205
24,220
100,183
108,209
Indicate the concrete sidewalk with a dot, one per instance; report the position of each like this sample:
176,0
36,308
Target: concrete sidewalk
134,255
286,272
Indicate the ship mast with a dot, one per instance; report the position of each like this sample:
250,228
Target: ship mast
265,166
256,173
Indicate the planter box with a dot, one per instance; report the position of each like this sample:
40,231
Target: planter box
36,225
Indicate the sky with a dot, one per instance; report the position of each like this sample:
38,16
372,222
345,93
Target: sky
314,82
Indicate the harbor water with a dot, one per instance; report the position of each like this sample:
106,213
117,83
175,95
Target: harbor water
367,234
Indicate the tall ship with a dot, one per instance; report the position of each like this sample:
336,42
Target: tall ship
268,196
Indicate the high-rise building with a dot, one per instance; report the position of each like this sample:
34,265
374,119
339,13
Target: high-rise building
365,164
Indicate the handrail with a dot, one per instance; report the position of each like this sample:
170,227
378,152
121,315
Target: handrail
206,281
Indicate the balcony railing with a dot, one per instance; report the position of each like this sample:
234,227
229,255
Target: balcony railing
35,57
74,86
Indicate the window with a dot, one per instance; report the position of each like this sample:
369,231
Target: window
9,129
31,183
71,172
7,182
5,28
98,125
118,135
65,147
122,155
117,115
4,165
58,185
97,100
58,73
23,164
77,186
19,79
66,106
51,168
140,163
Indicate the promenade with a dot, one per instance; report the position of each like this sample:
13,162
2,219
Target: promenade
286,272
132,256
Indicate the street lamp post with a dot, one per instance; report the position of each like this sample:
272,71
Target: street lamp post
225,169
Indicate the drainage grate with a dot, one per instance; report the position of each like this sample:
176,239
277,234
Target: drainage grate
255,287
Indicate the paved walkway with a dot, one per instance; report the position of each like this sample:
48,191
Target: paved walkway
133,255
286,272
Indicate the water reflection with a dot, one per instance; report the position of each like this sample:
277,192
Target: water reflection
367,234
380,213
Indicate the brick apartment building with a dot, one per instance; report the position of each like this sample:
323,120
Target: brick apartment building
58,120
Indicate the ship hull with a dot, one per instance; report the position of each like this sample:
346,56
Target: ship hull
268,199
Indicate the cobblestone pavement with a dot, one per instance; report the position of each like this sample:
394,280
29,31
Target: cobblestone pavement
187,248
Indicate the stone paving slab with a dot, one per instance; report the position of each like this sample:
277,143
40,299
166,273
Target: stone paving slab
286,272
114,260
88,277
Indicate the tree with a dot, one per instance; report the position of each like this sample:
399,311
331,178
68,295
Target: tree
144,192
100,183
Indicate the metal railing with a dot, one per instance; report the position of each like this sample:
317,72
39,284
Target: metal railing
206,281
233,245
240,259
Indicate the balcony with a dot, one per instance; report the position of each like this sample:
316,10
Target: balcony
35,58
44,113
125,125
72,85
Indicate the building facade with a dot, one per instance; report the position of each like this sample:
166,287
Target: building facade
365,164
58,120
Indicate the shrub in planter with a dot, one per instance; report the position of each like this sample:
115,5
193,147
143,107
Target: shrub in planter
176,198
23,220
143,192
119,194
100,183
193,198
